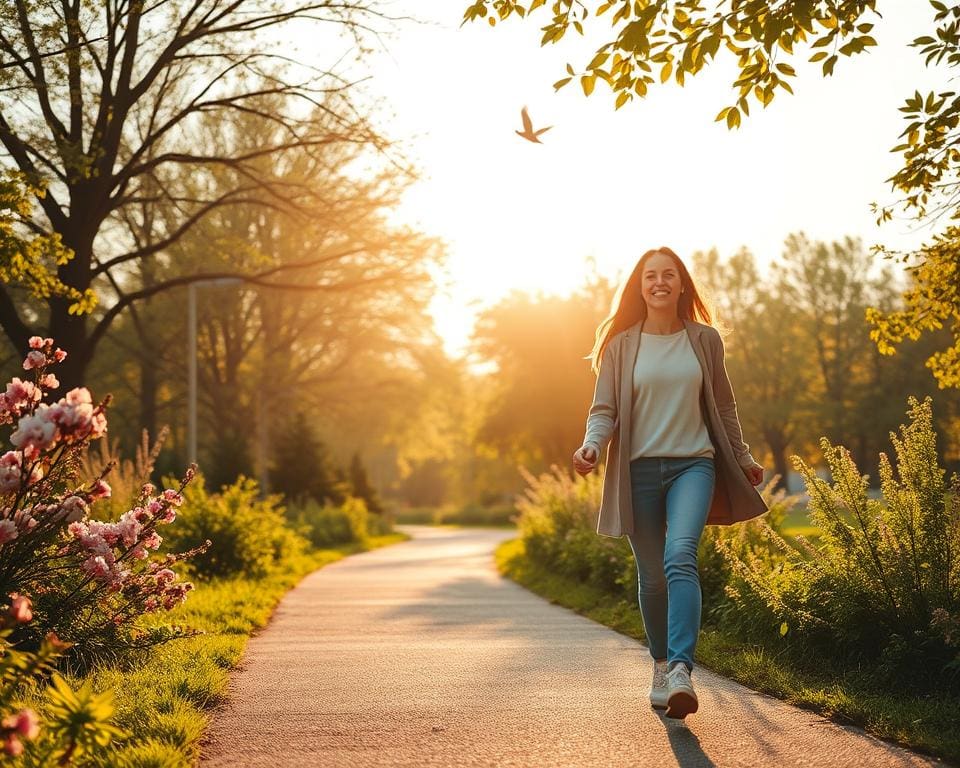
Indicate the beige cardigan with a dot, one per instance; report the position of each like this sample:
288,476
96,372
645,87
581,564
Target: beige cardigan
734,498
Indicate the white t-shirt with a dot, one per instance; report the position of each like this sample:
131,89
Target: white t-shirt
667,420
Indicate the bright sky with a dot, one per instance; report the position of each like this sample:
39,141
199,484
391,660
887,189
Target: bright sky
608,185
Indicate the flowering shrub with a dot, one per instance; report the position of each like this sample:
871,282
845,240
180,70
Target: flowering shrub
75,724
89,580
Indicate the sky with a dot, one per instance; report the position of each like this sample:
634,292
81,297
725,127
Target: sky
607,185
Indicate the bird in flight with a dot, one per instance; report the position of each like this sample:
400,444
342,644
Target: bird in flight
528,133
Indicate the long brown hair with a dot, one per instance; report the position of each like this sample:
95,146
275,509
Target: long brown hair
629,307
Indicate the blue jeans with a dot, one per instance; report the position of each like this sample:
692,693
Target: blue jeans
671,499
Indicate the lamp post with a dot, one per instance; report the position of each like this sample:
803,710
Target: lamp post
192,359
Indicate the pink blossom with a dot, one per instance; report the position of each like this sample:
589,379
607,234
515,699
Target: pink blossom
165,576
35,429
59,355
8,531
36,342
154,506
10,471
169,516
27,724
150,604
24,520
12,745
34,359
49,381
148,489
101,490
173,497
152,540
21,608
74,508
129,527
20,394
96,566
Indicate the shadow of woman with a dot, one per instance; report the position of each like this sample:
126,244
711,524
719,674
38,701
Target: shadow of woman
685,744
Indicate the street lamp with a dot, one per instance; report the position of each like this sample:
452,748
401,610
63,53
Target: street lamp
192,359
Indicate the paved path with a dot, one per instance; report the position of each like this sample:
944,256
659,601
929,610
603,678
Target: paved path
420,654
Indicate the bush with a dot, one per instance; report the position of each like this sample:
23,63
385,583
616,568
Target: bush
882,585
89,580
328,525
248,535
557,521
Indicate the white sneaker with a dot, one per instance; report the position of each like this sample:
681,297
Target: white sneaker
658,688
681,698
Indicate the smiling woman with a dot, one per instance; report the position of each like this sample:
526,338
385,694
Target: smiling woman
677,459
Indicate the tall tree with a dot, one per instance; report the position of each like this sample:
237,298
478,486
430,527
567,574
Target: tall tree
651,42
765,356
102,103
543,383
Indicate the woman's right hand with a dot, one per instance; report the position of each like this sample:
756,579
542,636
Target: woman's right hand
585,460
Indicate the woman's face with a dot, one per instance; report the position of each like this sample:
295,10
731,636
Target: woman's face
661,284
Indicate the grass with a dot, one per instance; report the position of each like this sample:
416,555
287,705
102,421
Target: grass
927,725
163,702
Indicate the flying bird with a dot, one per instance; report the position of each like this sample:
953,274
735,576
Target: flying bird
528,133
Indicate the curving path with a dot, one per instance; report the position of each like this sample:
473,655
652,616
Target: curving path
420,654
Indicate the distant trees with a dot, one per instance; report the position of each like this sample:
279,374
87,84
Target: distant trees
800,356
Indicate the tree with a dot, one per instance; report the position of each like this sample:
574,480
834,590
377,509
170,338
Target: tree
106,122
543,384
766,359
659,40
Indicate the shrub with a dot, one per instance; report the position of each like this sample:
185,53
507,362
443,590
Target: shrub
88,580
326,525
248,535
882,586
557,521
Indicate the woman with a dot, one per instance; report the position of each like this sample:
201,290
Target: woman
676,461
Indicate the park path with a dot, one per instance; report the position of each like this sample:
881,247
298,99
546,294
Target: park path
420,654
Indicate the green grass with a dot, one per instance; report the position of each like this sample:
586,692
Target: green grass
927,725
163,702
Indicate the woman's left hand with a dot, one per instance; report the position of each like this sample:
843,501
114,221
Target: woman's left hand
754,473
